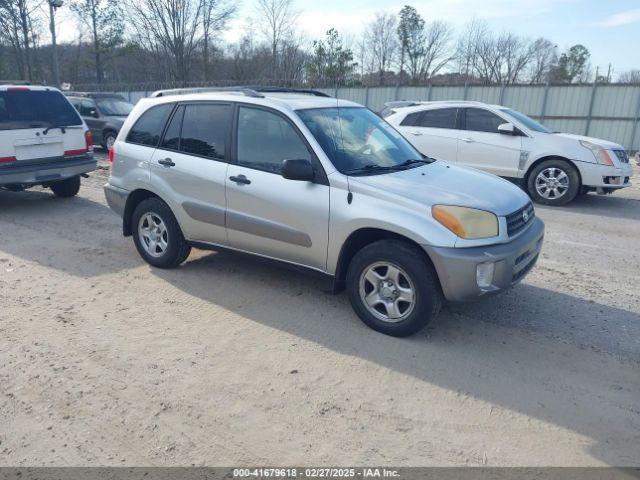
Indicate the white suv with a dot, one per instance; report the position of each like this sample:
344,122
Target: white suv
554,167
43,141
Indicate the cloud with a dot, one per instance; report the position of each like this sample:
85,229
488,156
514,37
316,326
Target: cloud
622,18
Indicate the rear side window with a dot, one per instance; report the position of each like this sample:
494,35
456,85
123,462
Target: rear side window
205,130
438,118
148,129
479,120
34,109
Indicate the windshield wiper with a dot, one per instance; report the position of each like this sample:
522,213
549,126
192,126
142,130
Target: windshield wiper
369,168
51,126
412,161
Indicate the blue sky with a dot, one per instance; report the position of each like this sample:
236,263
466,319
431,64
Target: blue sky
609,28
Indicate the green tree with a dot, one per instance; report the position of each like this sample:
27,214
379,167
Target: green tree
411,36
104,21
572,65
331,63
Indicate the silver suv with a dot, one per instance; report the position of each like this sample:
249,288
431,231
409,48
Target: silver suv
321,183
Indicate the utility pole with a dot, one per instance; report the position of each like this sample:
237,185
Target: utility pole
53,5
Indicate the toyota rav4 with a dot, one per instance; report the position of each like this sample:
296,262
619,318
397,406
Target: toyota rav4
323,184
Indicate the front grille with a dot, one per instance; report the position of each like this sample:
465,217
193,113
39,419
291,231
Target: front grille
519,219
622,156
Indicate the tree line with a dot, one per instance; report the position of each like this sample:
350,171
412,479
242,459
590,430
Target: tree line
179,42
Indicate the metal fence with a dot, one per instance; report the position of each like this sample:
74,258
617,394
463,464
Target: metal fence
608,111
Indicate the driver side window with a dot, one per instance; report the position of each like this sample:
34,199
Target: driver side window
87,108
479,120
265,139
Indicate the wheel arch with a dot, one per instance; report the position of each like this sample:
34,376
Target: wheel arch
133,200
550,157
359,239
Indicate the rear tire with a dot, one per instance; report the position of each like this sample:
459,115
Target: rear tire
393,288
109,138
157,235
66,188
553,182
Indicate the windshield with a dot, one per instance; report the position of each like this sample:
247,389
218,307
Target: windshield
23,108
530,123
357,141
114,106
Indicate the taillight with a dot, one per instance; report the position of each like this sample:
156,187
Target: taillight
88,141
111,154
18,89
7,159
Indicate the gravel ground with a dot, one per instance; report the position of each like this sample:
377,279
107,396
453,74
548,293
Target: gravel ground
229,360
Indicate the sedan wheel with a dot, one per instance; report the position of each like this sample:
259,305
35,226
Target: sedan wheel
552,183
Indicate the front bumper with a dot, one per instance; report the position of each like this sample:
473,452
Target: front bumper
456,267
45,171
606,177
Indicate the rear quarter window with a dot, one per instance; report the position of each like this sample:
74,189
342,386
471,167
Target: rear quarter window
147,130
21,109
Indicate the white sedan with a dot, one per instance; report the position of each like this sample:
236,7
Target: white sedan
554,167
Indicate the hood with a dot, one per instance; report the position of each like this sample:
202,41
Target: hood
598,141
443,183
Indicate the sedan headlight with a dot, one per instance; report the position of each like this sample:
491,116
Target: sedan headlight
602,156
466,222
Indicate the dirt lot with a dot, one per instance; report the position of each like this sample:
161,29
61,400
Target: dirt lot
227,360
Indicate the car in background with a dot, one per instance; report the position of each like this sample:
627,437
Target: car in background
104,113
553,167
43,141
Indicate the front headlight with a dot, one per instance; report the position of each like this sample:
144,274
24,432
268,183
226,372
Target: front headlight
466,222
602,156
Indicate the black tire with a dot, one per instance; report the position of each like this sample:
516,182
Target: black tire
561,165
66,188
105,138
427,297
177,249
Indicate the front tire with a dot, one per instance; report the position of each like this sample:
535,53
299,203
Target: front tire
66,188
157,235
553,182
393,288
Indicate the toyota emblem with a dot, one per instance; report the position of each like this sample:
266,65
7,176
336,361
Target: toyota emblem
525,216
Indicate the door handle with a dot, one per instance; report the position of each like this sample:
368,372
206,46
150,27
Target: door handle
468,140
167,162
240,180
417,134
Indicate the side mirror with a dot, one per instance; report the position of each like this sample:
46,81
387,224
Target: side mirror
93,113
298,169
507,129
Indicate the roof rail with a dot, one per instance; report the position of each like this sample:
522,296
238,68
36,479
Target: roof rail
307,91
250,91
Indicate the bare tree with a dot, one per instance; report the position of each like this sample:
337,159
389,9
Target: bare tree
277,21
104,21
169,29
380,35
543,57
18,30
631,76
215,15
437,51
493,59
